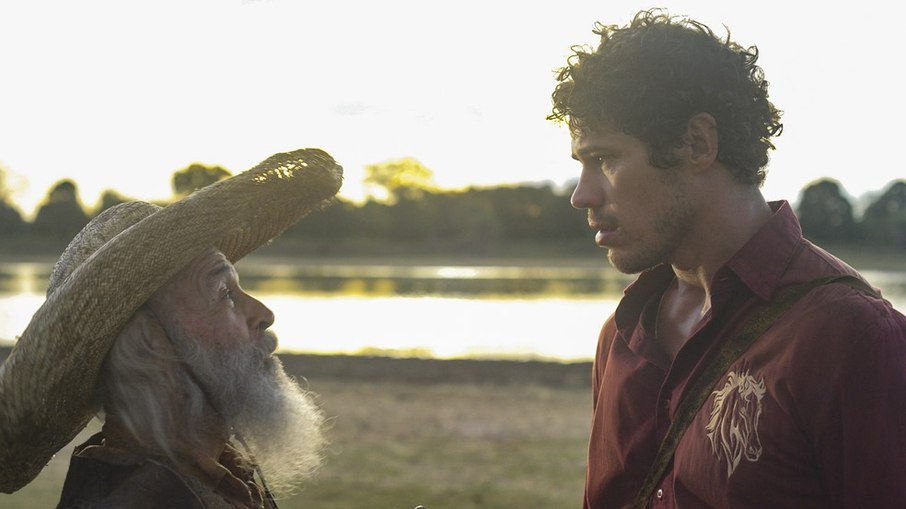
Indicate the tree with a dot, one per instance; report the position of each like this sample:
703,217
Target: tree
10,218
400,178
466,219
825,214
108,199
61,214
884,221
336,221
4,187
195,176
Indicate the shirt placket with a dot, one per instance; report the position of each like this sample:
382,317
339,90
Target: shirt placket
686,364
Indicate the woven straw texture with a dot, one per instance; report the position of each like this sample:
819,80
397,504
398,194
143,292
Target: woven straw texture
47,381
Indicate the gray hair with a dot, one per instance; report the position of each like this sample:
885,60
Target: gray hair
158,380
140,382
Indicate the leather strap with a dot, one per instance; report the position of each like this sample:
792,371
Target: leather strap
702,387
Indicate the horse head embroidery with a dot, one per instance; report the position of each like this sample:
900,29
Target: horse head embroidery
733,426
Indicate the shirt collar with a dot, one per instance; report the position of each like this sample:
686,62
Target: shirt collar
637,293
762,261
760,264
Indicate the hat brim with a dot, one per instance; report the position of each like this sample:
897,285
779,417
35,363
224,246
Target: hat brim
46,383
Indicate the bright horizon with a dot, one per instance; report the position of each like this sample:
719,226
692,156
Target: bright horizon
120,97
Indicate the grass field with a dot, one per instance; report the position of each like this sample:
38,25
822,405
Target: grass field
495,435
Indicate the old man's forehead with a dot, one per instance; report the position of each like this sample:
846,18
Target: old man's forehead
205,270
212,267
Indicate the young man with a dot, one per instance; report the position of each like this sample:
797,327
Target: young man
672,126
146,323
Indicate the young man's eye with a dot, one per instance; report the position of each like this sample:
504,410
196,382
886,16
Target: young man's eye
603,161
602,158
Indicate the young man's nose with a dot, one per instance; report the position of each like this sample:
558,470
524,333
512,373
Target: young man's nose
589,192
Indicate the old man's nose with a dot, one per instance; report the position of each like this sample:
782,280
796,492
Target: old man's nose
260,317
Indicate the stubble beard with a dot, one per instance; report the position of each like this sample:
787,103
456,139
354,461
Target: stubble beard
670,226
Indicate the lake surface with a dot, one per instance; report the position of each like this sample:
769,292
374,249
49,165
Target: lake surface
429,311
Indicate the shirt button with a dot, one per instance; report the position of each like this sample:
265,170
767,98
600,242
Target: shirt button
659,494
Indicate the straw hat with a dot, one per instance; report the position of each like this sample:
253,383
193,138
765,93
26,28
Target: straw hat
110,269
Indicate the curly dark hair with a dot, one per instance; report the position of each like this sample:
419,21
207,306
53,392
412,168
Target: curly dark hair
649,78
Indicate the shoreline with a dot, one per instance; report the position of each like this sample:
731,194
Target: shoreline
429,371
517,254
415,370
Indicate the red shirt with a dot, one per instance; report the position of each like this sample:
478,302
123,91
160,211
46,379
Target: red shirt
812,415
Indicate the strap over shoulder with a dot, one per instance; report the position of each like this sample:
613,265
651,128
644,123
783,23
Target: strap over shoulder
751,329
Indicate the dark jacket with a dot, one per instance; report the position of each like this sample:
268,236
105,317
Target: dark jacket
103,477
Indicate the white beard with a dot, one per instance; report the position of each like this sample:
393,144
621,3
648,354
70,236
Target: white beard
277,419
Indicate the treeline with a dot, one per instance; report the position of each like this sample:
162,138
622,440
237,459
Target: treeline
827,216
474,220
412,212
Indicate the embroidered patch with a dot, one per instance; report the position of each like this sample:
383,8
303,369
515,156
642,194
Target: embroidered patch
733,427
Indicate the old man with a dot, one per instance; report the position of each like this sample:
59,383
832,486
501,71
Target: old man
146,325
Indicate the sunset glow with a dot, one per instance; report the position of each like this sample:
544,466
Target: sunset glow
120,95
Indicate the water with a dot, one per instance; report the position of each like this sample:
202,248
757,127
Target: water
436,311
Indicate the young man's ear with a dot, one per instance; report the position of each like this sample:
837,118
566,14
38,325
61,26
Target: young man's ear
701,140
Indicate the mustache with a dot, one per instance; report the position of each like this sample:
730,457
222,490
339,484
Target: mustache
601,222
268,341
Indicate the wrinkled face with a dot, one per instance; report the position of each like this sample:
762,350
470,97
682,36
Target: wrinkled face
220,333
206,301
641,213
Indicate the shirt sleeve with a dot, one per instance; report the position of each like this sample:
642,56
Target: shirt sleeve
860,435
605,339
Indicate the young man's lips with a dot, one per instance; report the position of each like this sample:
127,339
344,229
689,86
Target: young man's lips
605,238
605,234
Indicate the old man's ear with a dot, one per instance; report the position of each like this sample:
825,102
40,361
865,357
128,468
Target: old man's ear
142,347
146,329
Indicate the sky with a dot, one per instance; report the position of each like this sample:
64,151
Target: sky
119,95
